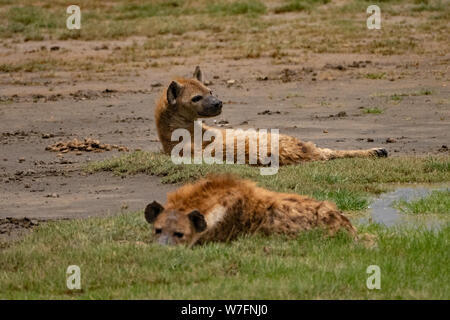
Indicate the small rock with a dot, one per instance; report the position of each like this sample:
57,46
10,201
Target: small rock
52,195
325,131
21,160
47,135
390,140
370,140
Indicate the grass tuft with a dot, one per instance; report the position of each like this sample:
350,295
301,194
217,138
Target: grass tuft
348,182
375,76
298,5
249,7
375,110
438,202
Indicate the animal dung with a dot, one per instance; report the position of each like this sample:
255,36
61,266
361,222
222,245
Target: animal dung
87,145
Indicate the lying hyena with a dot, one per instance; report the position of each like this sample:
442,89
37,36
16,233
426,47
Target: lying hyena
186,100
222,207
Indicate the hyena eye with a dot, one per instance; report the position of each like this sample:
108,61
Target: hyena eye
158,231
178,234
197,98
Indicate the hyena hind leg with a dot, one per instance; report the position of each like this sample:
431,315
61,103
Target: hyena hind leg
367,153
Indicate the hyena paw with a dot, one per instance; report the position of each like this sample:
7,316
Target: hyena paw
380,152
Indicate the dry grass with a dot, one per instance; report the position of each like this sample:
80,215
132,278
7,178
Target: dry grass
279,30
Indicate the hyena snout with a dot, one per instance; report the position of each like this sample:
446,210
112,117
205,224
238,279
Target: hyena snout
165,240
211,107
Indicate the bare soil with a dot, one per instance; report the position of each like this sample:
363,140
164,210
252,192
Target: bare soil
322,99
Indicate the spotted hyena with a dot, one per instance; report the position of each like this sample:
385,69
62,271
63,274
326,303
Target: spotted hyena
222,207
186,100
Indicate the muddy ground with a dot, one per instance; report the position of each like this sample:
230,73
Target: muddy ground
322,99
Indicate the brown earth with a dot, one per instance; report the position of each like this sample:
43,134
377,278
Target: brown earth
321,99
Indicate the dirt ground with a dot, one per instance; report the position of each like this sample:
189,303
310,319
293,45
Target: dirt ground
326,99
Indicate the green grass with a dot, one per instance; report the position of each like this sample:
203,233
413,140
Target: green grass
400,96
375,76
31,21
429,5
118,19
117,260
229,20
252,7
434,164
397,97
298,5
34,65
375,110
348,182
130,11
438,202
423,92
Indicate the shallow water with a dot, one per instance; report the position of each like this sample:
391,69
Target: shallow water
382,208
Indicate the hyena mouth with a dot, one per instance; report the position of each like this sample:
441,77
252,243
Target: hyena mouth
210,113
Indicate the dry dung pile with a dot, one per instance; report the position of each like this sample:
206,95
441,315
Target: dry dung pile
88,145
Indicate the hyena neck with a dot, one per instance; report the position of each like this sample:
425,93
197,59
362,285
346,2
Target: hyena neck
226,220
167,121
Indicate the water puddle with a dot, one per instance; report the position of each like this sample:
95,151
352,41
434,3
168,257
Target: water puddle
382,209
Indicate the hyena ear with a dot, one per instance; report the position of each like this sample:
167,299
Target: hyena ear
198,74
152,211
198,220
173,92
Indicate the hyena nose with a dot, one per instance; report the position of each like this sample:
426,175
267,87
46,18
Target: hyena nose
218,104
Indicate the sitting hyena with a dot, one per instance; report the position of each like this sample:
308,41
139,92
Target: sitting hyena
186,100
222,207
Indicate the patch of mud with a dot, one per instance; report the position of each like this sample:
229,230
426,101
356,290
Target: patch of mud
12,229
383,210
79,95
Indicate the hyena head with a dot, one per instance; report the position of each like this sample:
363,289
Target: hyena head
171,227
192,97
